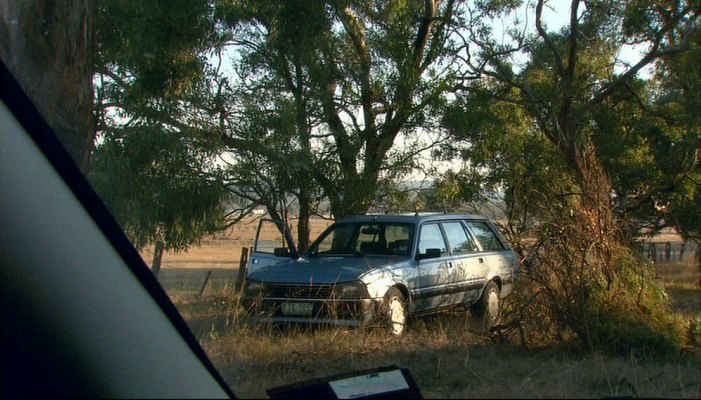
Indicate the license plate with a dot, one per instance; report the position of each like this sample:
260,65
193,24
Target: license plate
297,308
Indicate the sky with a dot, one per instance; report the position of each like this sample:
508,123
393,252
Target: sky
556,15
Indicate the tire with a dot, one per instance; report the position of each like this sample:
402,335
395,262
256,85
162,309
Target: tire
395,312
487,311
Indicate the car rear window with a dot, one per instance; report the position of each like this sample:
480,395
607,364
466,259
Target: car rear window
486,236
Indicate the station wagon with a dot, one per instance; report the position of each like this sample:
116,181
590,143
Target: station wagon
384,268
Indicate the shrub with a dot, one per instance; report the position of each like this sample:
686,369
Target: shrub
633,314
600,295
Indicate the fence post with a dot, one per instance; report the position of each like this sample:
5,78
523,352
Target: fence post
204,285
243,264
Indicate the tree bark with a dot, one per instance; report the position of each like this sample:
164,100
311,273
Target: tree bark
303,230
48,46
595,207
157,258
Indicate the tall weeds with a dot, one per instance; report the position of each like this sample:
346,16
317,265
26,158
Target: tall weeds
598,293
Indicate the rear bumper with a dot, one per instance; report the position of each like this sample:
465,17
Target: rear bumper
507,286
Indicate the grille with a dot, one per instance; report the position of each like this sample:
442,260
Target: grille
299,291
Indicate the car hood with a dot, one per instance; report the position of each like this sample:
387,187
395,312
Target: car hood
320,270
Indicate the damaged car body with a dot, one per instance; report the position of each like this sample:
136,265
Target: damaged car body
371,269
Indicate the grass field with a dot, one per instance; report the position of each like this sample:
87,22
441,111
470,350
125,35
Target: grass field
447,358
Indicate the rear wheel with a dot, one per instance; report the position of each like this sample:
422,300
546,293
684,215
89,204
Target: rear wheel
488,310
396,311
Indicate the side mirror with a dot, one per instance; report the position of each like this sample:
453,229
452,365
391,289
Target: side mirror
430,253
281,252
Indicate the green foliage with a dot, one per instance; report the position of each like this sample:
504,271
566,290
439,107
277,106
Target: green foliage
633,313
158,186
152,164
356,76
678,99
500,142
160,43
510,164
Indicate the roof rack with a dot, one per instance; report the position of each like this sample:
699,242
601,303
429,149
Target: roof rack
414,213
420,213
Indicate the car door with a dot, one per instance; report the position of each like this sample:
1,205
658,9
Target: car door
436,273
273,244
469,266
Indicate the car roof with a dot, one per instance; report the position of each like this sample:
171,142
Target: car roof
415,217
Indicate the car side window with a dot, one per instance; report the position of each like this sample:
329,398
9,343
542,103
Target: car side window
431,238
459,242
486,236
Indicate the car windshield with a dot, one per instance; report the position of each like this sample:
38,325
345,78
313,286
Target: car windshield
365,238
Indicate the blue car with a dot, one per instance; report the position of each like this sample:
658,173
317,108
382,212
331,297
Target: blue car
371,269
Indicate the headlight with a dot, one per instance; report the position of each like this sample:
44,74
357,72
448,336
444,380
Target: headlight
253,288
350,290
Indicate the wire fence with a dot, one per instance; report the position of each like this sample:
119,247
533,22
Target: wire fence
670,252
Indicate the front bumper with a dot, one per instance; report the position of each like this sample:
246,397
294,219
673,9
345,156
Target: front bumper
338,312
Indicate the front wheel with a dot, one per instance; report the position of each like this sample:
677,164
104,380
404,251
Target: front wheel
395,311
487,310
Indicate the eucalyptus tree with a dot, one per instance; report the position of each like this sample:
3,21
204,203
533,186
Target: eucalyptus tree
358,77
157,185
595,124
510,170
49,48
677,100
649,147
152,166
570,74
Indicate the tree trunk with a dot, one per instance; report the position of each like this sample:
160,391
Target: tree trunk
48,46
157,257
595,207
303,229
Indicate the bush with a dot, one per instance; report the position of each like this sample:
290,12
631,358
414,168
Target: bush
633,314
600,295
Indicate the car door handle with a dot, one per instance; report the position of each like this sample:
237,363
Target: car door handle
481,260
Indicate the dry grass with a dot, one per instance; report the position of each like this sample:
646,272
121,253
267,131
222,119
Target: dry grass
683,283
446,357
